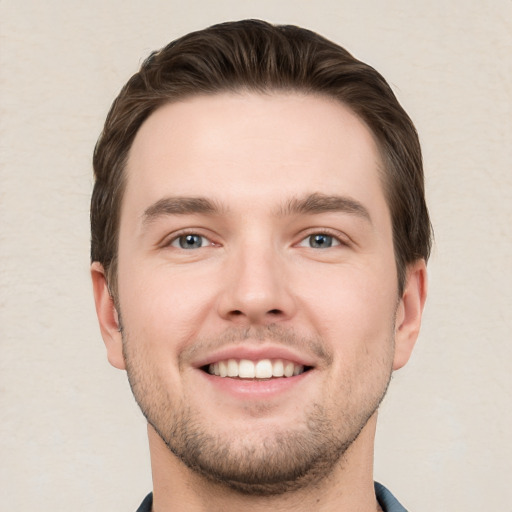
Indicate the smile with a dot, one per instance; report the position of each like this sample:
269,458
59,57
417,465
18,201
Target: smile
261,369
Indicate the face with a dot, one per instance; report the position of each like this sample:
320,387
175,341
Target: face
257,285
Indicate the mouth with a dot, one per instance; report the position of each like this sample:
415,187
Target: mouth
261,369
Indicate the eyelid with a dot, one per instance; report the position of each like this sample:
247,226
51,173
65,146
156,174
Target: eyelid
205,242
341,238
169,239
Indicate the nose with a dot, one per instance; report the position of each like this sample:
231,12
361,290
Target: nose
257,289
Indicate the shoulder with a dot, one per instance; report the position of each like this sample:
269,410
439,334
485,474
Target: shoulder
146,505
386,500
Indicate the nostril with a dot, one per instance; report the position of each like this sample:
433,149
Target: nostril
271,313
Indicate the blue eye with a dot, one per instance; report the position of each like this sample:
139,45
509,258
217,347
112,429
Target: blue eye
320,241
190,241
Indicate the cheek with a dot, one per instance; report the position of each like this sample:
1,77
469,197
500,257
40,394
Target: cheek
350,299
353,311
163,307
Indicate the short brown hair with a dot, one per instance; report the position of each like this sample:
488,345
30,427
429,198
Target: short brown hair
256,56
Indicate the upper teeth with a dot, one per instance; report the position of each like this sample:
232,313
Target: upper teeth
262,369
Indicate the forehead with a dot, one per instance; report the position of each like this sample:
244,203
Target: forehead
247,149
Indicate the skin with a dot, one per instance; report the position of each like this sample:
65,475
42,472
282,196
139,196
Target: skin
257,285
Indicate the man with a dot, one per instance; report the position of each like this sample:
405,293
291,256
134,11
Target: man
259,243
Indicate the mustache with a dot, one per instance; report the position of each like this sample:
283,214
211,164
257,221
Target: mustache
274,333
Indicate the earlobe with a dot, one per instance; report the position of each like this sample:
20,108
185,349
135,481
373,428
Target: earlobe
107,317
409,312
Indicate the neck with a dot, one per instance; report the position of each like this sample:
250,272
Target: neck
348,487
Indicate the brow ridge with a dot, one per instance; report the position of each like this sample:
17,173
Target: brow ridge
322,203
180,205
310,204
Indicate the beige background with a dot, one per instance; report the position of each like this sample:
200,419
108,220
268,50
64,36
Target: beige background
71,437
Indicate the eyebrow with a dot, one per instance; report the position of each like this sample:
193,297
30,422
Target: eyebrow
321,203
180,206
311,204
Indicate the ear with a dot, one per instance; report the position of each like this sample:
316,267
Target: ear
107,317
409,312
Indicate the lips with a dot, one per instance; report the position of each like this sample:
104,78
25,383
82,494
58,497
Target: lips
258,369
255,362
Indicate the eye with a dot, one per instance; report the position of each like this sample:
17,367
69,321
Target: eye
190,241
319,241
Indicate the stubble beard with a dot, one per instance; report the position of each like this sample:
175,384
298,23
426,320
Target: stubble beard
279,462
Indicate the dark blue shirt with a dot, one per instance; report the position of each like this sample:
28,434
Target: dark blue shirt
386,500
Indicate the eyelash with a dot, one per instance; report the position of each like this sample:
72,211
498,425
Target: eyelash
175,239
335,235
340,241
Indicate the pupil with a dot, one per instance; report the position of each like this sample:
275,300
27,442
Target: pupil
190,241
321,241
